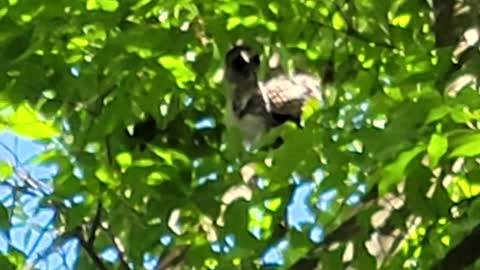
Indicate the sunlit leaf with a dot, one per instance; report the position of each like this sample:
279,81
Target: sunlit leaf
26,122
6,170
233,22
402,20
250,21
437,113
106,175
109,5
106,5
402,115
177,66
467,145
157,177
338,21
170,156
273,204
437,147
124,159
273,6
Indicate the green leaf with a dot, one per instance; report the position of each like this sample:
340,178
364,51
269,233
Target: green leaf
4,218
170,156
416,188
109,5
233,22
437,147
234,147
461,114
236,221
273,204
466,145
363,258
402,20
26,122
77,43
67,185
251,21
92,5
273,7
338,21
441,201
309,109
288,157
393,92
395,171
299,247
159,176
124,159
98,66
437,113
5,264
106,5
106,175
6,170
16,257
177,66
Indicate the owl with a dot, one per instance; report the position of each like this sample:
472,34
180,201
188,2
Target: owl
257,106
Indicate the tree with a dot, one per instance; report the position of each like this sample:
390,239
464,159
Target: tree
126,100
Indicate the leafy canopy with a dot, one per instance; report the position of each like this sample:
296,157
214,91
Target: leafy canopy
128,99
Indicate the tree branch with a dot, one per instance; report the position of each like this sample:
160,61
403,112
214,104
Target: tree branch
444,20
88,243
345,231
463,254
92,253
95,224
118,246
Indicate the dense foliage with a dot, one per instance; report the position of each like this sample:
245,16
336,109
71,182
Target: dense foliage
127,98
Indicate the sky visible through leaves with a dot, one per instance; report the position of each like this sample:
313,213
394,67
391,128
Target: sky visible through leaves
36,234
113,130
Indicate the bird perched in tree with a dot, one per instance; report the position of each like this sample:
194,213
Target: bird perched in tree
257,106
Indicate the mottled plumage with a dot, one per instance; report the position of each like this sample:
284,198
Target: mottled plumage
258,106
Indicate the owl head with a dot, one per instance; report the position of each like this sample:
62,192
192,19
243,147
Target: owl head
241,65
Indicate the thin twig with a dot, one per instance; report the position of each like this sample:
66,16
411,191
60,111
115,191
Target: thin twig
117,243
10,151
346,230
55,246
95,224
44,230
92,253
